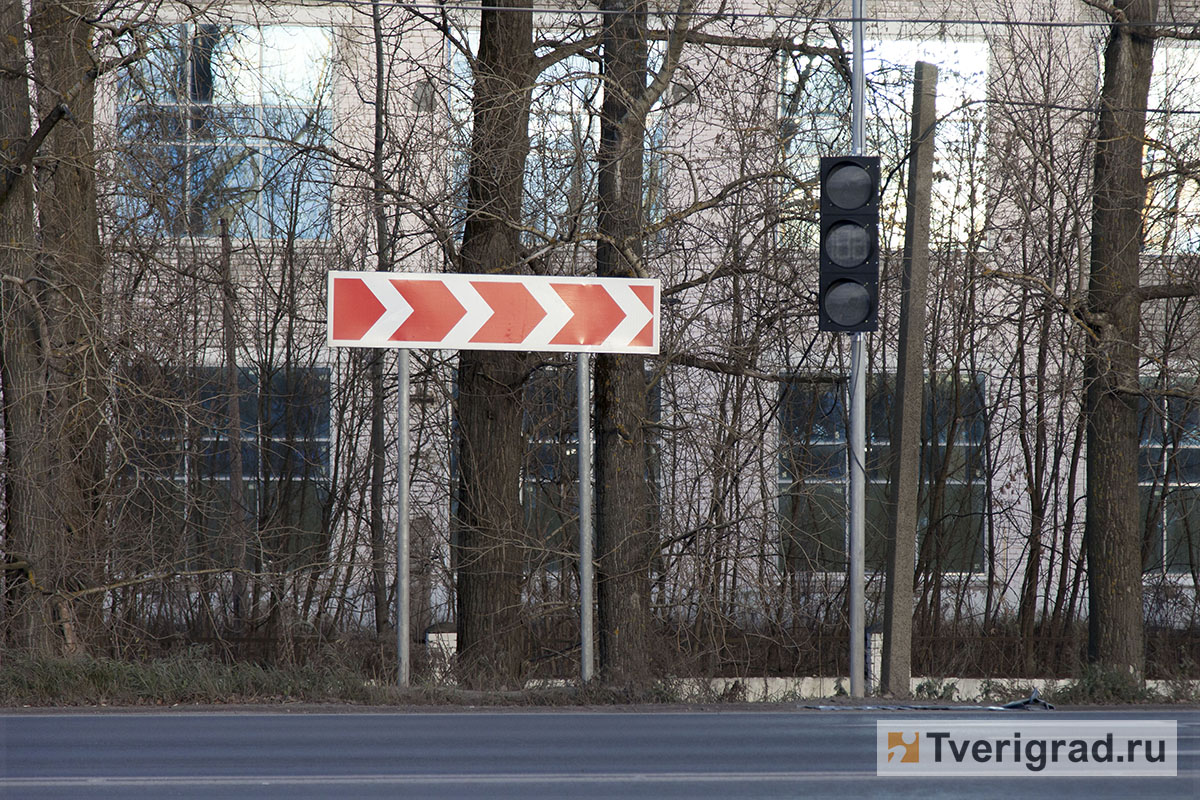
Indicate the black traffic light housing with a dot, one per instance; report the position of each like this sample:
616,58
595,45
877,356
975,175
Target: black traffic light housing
848,295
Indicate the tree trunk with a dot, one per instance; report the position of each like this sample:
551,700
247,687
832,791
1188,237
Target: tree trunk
377,455
1112,535
238,517
489,519
624,539
22,368
54,363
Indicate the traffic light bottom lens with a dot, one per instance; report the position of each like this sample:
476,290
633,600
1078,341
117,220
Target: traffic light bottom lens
847,303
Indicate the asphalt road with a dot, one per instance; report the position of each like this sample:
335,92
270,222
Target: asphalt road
517,754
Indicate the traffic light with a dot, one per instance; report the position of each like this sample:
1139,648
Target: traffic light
848,296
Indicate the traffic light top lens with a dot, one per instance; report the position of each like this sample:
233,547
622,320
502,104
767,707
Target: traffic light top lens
848,186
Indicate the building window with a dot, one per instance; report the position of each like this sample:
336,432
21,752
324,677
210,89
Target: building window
564,139
550,477
1169,481
227,122
813,471
564,133
179,467
814,121
1173,185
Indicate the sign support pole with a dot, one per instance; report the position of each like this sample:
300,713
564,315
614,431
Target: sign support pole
403,600
858,404
586,563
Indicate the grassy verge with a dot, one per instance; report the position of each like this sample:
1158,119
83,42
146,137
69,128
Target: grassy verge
198,678
186,678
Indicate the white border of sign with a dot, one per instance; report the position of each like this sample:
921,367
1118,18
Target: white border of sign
558,313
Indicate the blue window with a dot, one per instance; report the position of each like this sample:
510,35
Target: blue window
564,137
228,122
814,121
1173,188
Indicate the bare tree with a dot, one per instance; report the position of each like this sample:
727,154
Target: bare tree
1113,313
55,354
488,514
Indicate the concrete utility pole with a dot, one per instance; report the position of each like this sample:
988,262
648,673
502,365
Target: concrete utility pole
906,433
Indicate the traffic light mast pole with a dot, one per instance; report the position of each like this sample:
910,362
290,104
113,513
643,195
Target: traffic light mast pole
858,403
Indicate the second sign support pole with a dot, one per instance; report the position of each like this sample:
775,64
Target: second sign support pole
583,396
403,614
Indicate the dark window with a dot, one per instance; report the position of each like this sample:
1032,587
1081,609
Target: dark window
1169,480
813,471
550,479
179,466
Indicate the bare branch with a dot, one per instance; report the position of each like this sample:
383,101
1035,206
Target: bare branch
1108,8
1164,291
20,166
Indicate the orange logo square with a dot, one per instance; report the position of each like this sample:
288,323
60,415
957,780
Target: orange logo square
909,751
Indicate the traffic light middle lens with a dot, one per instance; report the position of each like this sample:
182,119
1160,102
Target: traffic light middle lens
848,244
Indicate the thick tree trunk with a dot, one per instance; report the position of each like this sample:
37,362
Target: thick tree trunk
1112,534
54,362
22,369
68,223
624,539
489,520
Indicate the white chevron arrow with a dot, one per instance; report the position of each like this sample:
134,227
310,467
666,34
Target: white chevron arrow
478,311
397,308
637,316
558,314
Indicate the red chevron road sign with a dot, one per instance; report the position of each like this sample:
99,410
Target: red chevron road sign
493,312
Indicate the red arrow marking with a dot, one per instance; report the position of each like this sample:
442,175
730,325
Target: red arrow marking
517,312
355,308
596,314
646,337
435,311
